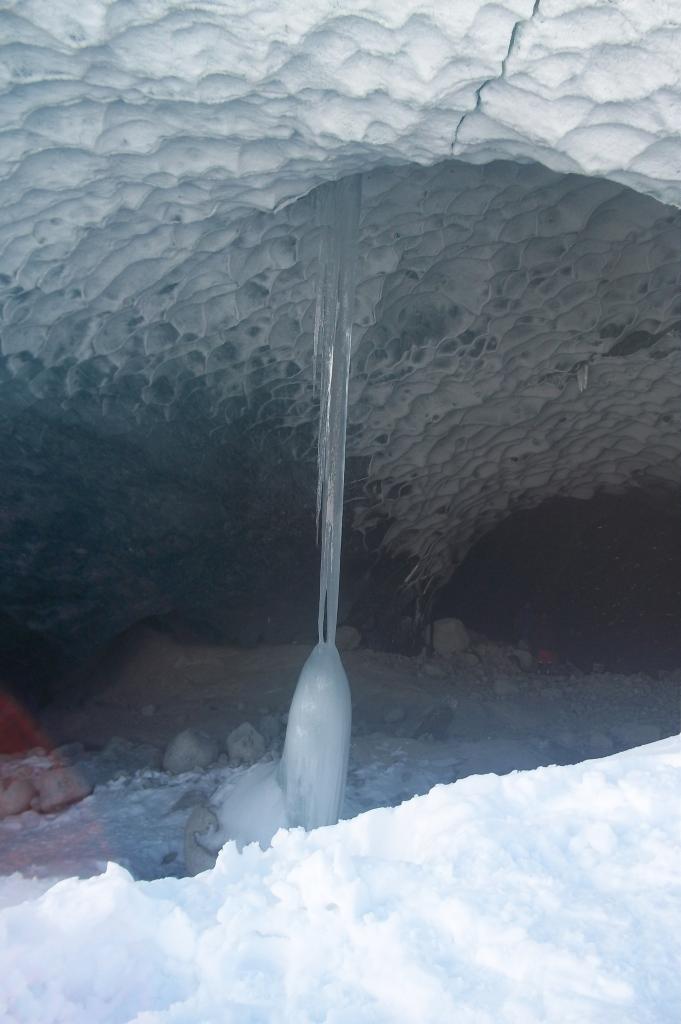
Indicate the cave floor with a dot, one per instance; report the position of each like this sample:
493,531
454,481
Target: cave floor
416,722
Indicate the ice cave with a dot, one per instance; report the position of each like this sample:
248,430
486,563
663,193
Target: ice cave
275,272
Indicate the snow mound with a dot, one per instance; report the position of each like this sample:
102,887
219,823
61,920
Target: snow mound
539,898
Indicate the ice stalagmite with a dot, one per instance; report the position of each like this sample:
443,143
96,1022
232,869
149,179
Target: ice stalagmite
307,786
315,760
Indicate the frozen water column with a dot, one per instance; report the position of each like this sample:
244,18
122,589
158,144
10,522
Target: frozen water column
307,786
315,760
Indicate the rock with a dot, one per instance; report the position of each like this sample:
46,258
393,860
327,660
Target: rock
189,750
394,714
201,822
637,734
59,787
245,745
348,638
524,659
450,636
15,796
148,710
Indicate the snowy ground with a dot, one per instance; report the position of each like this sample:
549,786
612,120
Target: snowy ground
417,722
523,897
545,896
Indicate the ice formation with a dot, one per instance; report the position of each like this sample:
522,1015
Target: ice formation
157,278
315,759
307,786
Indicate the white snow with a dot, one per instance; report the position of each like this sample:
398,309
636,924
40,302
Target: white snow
142,139
543,897
137,138
137,134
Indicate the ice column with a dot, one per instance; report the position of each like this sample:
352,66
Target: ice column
315,759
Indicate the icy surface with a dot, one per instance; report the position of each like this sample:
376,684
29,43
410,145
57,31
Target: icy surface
156,286
540,897
308,785
481,294
314,764
315,759
338,207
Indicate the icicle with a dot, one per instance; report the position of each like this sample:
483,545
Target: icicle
338,212
315,760
308,785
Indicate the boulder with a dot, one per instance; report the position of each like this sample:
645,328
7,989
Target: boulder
189,750
202,822
59,787
450,636
245,745
15,796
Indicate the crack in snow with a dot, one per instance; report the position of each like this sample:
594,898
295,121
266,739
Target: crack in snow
497,78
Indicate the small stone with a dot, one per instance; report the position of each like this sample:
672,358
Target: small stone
59,787
201,824
245,745
392,715
148,710
189,750
450,636
15,796
348,638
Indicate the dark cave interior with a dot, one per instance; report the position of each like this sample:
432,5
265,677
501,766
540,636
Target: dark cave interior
513,436
598,581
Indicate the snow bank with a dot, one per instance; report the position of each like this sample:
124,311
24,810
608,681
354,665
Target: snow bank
545,896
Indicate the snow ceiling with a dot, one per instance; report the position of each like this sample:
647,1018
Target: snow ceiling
519,322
